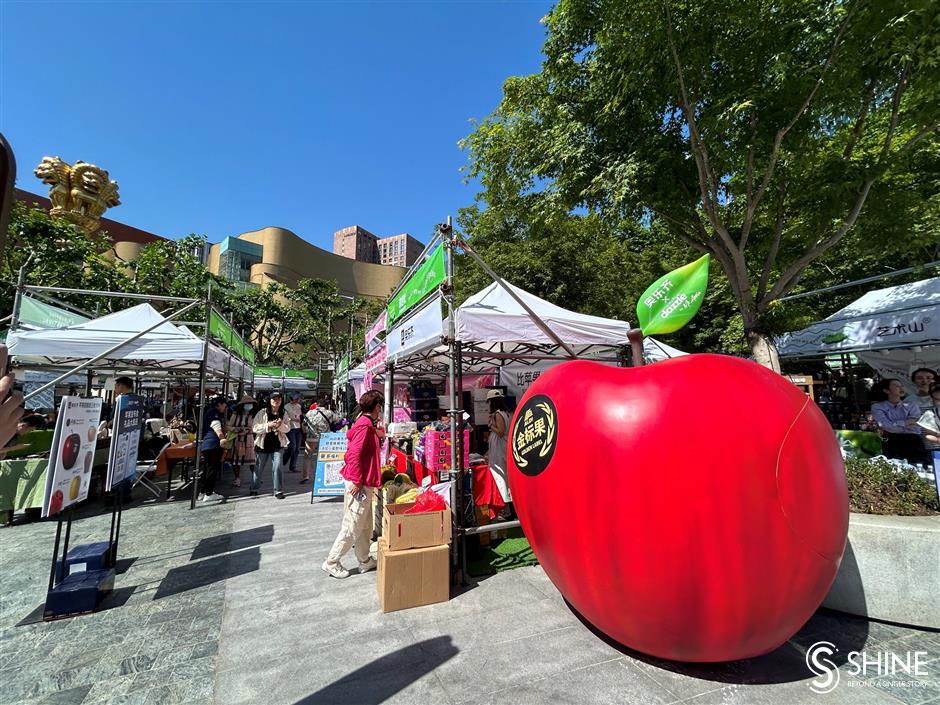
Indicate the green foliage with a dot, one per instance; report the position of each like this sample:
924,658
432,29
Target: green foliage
173,268
290,327
762,133
58,255
877,487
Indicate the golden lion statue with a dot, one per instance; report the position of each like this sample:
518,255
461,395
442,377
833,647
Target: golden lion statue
80,193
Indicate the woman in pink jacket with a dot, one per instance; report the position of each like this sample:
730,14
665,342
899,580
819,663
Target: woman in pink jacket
362,475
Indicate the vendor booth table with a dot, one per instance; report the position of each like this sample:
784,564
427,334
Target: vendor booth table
137,341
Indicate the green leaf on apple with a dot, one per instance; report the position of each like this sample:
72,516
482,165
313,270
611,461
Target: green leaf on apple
673,299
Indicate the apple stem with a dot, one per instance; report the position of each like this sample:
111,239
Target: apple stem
635,336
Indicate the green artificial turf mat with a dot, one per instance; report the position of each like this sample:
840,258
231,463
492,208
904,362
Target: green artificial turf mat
512,552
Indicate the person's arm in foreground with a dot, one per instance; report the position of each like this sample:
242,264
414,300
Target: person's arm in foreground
11,409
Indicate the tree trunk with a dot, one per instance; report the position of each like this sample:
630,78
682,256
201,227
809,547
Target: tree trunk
763,350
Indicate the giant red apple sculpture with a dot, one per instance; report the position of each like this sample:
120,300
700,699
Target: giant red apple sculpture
695,509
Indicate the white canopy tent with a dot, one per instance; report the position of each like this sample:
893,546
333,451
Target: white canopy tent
494,318
494,329
895,330
166,348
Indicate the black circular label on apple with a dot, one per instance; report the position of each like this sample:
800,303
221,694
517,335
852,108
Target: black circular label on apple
534,435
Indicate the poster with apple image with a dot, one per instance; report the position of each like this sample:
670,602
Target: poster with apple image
73,443
125,438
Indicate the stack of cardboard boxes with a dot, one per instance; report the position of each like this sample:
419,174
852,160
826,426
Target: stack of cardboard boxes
414,558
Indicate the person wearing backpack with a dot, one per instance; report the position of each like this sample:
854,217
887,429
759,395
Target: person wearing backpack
317,421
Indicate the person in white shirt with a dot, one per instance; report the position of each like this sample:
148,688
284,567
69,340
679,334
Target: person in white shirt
897,419
932,440
294,412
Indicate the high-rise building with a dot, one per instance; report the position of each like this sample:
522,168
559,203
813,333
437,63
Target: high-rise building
356,243
400,250
260,257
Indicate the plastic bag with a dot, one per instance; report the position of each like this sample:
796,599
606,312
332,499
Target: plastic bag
427,502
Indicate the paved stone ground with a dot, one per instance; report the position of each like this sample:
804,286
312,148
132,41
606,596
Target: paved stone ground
228,605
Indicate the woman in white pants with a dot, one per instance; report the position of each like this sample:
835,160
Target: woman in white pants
362,474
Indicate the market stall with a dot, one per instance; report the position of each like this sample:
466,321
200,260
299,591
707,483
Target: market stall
894,330
502,338
139,342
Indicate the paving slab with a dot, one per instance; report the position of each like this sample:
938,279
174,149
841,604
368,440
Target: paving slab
228,605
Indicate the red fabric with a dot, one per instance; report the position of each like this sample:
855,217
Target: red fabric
421,472
399,459
362,454
485,491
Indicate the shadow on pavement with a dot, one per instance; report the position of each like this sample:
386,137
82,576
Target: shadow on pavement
234,541
379,680
785,664
201,573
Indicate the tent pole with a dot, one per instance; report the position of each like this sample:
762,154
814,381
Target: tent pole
496,278
202,399
446,234
389,393
20,284
114,294
107,352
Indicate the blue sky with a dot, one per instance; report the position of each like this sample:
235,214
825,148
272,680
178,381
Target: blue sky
218,118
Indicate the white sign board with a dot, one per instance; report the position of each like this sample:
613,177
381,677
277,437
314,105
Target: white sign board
419,331
68,476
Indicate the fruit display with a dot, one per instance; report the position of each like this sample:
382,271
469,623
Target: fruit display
70,449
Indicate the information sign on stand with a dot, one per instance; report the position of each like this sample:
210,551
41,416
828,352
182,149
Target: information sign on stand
125,438
73,451
330,457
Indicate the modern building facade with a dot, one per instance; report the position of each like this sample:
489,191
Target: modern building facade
400,250
277,254
358,243
355,242
271,254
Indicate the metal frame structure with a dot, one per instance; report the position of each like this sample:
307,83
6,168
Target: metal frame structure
449,361
72,366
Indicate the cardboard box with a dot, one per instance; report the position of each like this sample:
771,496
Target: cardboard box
403,531
412,578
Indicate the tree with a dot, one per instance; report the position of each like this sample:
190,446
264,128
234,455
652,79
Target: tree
337,322
570,260
757,132
174,268
57,254
296,327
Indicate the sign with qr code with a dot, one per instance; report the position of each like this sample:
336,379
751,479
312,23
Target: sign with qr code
330,457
